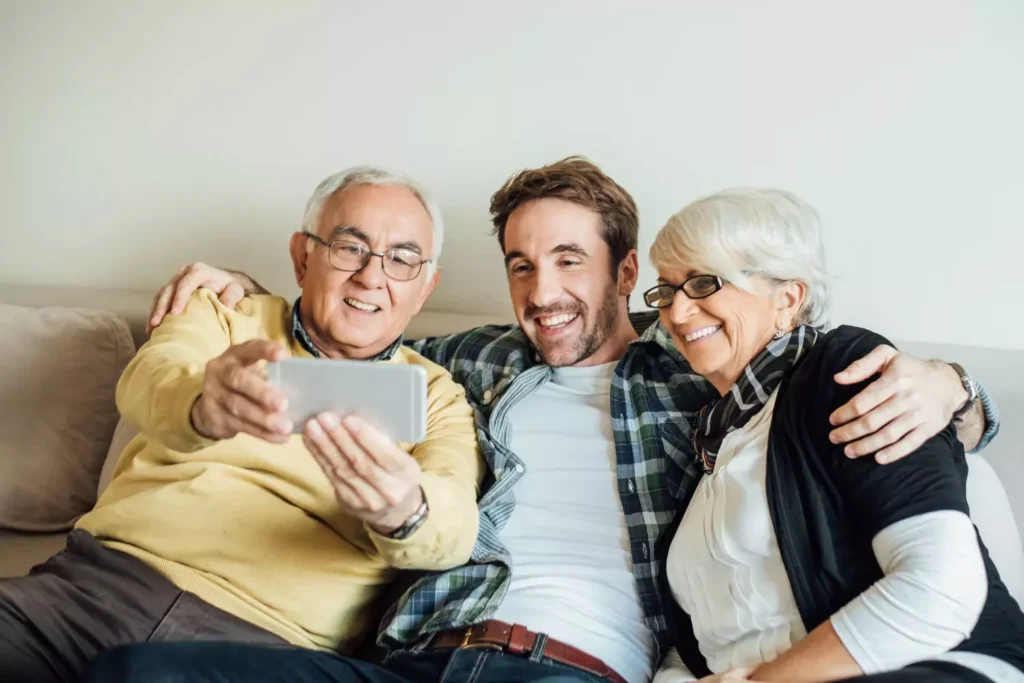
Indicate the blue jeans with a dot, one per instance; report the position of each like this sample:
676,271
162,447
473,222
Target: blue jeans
236,663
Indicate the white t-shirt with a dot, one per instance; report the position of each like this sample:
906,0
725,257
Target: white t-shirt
572,577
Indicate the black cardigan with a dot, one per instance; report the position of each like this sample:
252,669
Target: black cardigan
826,508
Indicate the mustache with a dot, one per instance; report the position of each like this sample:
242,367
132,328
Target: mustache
532,312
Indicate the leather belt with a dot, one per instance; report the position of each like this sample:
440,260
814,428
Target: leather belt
517,640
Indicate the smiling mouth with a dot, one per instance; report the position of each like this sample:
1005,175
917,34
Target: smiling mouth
362,306
701,333
554,322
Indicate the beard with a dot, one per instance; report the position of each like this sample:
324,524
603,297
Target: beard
590,339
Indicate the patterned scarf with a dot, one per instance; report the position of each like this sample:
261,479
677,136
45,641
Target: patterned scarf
749,395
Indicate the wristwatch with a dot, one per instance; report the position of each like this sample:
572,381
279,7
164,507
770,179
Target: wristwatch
969,386
410,525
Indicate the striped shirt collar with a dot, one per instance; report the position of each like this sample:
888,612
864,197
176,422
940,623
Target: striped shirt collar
300,334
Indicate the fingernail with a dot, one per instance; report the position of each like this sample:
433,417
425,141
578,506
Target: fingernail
284,425
833,438
329,420
352,423
882,459
848,452
314,428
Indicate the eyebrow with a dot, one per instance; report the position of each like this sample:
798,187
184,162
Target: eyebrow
570,248
690,273
512,255
349,231
356,233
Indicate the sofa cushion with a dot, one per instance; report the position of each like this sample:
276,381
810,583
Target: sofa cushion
990,510
20,552
58,375
123,436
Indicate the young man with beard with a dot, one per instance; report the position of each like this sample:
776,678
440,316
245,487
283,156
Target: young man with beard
585,428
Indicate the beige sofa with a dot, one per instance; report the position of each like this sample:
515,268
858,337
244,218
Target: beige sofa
124,314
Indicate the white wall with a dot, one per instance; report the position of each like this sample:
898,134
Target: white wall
135,136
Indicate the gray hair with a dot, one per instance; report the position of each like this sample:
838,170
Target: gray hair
372,175
741,232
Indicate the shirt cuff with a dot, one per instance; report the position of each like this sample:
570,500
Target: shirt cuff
988,404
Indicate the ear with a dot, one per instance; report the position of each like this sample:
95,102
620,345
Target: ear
629,273
297,247
428,289
789,297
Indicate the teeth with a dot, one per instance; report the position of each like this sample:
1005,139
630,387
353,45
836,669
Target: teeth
557,320
362,306
703,332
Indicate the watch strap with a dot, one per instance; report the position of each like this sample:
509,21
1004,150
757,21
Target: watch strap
414,522
969,386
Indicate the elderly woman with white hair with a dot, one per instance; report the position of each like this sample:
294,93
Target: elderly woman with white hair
792,562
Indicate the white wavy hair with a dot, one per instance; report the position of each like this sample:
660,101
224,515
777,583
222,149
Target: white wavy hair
372,175
741,232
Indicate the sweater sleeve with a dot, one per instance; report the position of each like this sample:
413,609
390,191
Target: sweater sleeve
163,380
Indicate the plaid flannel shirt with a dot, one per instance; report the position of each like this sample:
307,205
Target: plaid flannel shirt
655,397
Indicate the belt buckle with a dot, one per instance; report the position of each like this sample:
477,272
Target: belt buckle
466,645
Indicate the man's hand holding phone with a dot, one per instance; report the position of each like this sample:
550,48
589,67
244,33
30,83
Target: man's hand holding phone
374,480
237,399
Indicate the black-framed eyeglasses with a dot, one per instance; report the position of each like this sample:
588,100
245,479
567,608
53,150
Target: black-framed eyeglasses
352,256
696,287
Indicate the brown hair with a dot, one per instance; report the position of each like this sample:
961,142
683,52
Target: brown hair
577,180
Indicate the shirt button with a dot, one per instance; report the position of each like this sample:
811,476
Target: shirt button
520,469
630,487
488,395
643,546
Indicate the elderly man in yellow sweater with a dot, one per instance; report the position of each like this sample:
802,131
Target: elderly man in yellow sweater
219,523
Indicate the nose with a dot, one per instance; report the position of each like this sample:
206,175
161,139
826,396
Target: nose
372,275
682,309
545,288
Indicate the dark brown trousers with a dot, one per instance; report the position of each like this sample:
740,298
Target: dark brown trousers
87,599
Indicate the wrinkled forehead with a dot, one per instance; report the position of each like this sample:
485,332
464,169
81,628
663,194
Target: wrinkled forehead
382,216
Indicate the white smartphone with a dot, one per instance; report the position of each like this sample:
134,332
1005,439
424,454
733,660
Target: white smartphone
393,398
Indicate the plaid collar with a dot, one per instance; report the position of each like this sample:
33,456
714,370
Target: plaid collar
299,333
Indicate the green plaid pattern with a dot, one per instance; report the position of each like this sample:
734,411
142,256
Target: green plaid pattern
655,398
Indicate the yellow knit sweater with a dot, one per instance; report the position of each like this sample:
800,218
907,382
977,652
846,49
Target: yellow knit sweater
253,527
